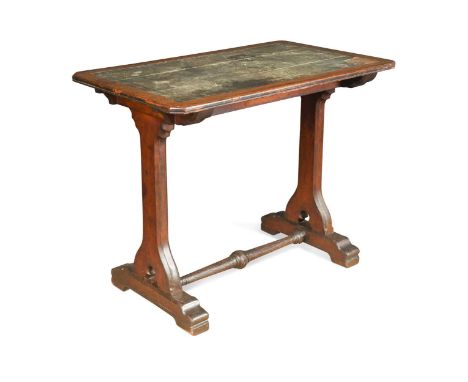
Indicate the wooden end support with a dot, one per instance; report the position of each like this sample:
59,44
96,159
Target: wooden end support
307,209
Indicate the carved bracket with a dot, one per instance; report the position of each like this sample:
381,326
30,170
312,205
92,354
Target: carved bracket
358,81
140,111
170,119
192,118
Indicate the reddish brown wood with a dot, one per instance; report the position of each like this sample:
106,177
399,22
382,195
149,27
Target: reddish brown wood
307,208
307,202
154,256
340,249
185,309
154,274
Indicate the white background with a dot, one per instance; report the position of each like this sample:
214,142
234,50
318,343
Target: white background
394,180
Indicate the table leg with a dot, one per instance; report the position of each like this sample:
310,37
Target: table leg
307,208
154,273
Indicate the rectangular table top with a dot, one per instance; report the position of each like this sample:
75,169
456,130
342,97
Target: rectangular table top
204,81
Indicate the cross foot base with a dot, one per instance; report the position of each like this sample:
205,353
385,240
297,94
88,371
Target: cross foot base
185,309
339,247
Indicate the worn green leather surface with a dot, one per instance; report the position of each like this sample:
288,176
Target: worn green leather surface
190,78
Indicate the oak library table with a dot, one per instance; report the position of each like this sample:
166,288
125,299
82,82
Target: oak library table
185,90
